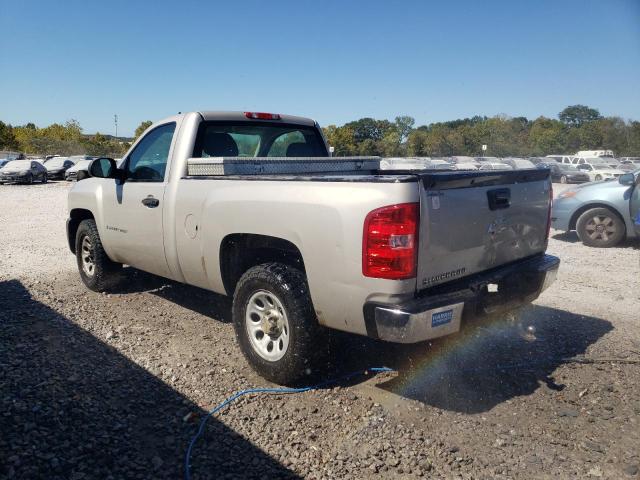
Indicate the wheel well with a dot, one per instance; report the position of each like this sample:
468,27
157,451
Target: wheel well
76,216
581,210
241,251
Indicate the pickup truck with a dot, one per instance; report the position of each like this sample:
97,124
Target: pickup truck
252,205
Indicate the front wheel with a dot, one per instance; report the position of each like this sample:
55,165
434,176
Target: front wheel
44,178
97,271
598,178
600,227
30,179
563,179
275,324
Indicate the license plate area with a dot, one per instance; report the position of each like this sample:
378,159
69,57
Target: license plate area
441,318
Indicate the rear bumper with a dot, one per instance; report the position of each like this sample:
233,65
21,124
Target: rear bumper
441,310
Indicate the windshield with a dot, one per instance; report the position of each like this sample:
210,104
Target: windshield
250,139
19,164
81,164
567,168
601,167
57,162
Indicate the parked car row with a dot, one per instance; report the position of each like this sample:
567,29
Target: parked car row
42,169
23,171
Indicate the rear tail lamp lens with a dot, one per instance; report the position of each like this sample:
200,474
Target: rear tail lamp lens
390,242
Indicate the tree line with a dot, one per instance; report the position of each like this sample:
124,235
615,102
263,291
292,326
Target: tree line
577,127
63,139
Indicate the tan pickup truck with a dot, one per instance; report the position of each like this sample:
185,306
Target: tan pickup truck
252,205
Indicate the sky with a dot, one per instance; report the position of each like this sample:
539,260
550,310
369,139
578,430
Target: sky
332,60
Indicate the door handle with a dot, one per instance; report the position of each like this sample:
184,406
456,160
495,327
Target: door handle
150,202
499,198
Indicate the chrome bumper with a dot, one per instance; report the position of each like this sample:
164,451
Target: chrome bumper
441,310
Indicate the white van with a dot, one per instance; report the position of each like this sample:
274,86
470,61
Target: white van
595,153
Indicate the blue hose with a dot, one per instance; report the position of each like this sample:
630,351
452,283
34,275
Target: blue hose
277,390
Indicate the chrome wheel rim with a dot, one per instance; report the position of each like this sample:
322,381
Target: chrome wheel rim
600,227
267,325
86,255
563,179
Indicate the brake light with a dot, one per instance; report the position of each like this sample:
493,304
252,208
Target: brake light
390,242
262,115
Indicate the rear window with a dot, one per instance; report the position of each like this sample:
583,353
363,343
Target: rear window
266,139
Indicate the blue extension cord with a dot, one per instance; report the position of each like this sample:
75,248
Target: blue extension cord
278,390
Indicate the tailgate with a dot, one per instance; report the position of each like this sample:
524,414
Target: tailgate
474,221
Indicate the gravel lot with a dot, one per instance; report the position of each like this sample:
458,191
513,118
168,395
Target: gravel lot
113,386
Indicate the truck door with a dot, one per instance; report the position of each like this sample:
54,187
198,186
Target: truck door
133,231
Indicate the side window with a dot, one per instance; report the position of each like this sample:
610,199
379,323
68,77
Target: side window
148,161
34,165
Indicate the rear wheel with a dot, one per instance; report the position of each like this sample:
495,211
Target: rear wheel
44,178
275,324
600,227
30,179
563,179
97,271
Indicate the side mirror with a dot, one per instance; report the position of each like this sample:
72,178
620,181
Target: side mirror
103,168
627,179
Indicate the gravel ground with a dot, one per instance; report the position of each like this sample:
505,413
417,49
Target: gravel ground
113,386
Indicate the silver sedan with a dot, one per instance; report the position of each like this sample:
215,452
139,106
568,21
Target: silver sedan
601,213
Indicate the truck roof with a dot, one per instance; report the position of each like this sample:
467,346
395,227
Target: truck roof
241,117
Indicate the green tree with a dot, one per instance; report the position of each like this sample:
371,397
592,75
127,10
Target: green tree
578,115
546,137
341,139
8,139
404,124
142,127
369,129
417,143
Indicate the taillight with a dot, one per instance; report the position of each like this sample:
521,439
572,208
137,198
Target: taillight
390,242
262,115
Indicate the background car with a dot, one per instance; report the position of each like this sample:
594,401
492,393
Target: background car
633,161
590,161
72,173
599,172
4,161
23,171
495,166
602,214
56,166
464,163
563,173
562,158
518,163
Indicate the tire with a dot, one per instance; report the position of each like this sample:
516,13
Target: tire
600,227
598,178
30,179
97,271
297,340
563,179
44,178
